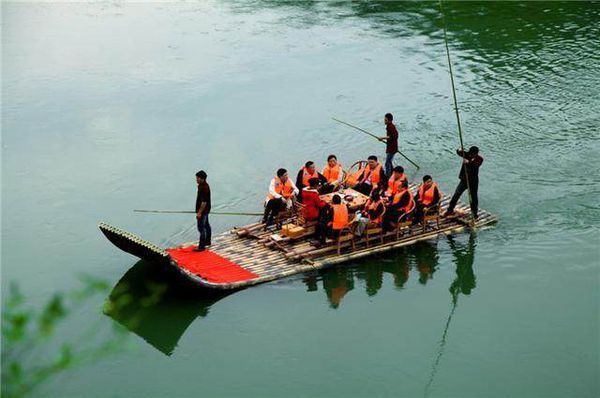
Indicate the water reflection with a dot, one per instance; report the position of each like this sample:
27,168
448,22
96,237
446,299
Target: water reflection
464,283
157,305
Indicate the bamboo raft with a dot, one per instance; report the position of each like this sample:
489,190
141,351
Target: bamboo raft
252,256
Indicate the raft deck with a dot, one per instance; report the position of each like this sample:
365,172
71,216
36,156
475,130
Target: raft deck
248,255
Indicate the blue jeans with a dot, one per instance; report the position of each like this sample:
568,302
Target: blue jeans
205,231
389,157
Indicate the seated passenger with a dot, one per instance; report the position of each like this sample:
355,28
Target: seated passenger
373,177
282,192
333,173
334,221
401,203
395,182
372,214
306,173
427,196
311,200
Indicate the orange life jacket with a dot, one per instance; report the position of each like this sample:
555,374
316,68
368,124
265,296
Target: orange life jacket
395,185
372,206
332,173
374,175
306,176
426,196
340,216
284,189
411,202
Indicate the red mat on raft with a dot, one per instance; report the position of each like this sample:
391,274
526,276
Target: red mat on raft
210,266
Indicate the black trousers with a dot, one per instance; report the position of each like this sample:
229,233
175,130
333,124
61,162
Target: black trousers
272,209
364,188
462,187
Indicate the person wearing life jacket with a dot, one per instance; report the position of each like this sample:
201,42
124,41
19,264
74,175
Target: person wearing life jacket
306,173
373,177
396,181
282,193
400,203
334,221
372,213
311,201
333,173
427,196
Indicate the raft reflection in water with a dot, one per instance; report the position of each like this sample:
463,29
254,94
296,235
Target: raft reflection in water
422,258
159,306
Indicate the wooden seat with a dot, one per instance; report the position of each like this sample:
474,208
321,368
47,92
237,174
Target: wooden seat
429,214
346,234
372,230
404,221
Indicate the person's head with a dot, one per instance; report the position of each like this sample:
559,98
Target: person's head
398,170
372,160
201,176
313,182
331,160
282,174
427,180
310,166
375,196
473,151
337,200
387,119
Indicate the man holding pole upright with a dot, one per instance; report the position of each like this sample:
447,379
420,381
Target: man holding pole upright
469,180
391,141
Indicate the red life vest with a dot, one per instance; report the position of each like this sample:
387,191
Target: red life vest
426,197
332,173
373,174
372,206
284,189
306,176
395,185
340,216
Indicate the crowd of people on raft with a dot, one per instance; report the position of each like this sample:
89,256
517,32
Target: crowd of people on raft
389,199
389,202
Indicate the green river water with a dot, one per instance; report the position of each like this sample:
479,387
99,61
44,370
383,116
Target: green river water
110,106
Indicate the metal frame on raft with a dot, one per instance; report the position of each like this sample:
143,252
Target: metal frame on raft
250,248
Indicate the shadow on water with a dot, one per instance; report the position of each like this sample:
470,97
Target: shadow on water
421,259
463,283
157,305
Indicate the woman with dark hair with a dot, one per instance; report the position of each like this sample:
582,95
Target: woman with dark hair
372,213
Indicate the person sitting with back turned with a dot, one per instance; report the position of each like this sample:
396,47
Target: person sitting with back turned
400,203
427,196
471,162
372,178
281,195
391,143
202,211
334,220
372,213
311,200
396,181
333,173
306,173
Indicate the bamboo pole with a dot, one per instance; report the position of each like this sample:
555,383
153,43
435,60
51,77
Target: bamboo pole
374,136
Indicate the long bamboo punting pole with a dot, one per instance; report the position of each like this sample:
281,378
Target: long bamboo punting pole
462,147
219,213
374,136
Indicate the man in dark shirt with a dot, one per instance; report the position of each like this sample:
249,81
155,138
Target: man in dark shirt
470,169
202,210
391,143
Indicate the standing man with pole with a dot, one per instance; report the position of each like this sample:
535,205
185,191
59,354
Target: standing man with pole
469,180
391,141
202,210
